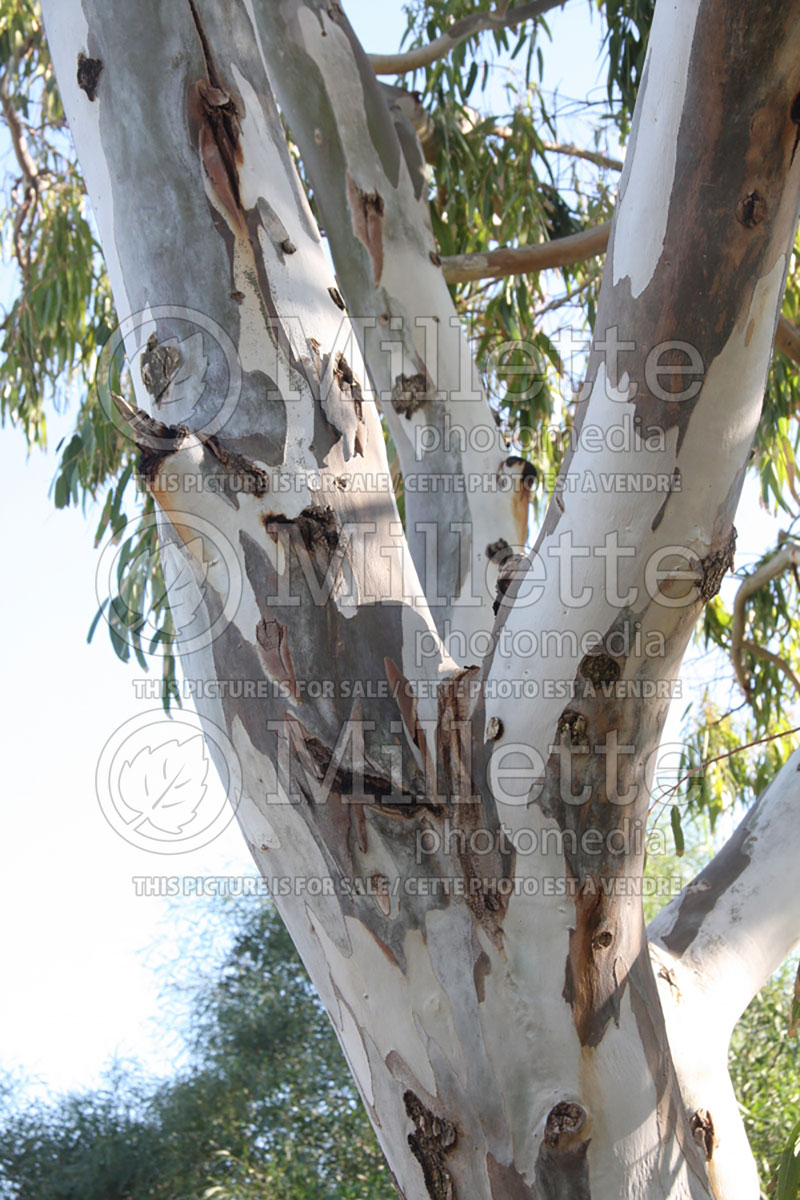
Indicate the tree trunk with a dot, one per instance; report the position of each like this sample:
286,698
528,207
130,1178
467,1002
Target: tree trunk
456,849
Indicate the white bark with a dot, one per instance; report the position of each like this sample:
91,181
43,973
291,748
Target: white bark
505,1032
714,947
368,174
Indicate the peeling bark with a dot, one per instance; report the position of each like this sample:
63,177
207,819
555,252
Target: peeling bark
481,947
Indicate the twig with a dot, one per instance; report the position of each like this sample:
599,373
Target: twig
30,173
592,156
787,556
775,659
521,260
422,56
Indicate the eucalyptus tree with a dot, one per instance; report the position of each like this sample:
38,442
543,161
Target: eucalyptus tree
444,753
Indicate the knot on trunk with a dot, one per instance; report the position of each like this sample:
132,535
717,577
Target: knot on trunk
432,1140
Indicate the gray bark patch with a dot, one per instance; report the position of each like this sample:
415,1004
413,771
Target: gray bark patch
703,893
506,1182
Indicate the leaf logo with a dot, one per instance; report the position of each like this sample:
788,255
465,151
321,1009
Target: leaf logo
184,577
187,384
164,786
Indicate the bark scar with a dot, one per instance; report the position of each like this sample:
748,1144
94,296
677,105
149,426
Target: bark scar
256,479
215,111
273,644
154,439
409,393
433,1139
702,1126
158,367
89,70
716,565
367,213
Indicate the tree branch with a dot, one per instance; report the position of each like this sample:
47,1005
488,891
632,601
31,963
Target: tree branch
716,944
561,252
459,31
739,919
519,260
456,504
787,556
592,156
775,659
30,172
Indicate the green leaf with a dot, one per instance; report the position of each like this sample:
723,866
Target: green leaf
794,1017
677,830
788,1184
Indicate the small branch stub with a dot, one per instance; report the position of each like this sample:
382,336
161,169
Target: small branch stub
159,365
702,1126
751,210
494,729
89,70
432,1140
409,393
564,1122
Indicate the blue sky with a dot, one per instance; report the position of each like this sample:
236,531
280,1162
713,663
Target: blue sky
78,945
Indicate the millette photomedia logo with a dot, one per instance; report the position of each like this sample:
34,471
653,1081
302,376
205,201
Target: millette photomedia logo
168,786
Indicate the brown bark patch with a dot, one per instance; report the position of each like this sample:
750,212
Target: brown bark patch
409,393
716,566
349,384
599,669
486,871
433,1139
89,70
154,439
512,570
591,987
407,703
158,367
572,728
273,644
336,297
497,552
751,210
214,112
249,478
317,527
360,780
454,734
218,143
367,213
702,1126
564,1121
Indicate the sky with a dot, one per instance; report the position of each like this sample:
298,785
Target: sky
78,945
